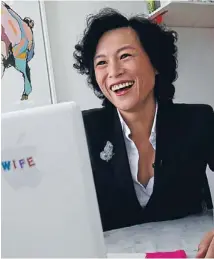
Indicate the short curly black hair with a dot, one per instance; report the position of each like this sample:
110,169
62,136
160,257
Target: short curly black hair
157,41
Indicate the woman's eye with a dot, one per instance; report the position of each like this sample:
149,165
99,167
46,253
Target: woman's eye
100,63
125,55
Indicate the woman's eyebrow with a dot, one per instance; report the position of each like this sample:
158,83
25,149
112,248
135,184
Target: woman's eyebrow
99,56
124,48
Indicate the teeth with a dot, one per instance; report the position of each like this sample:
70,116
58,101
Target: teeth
120,86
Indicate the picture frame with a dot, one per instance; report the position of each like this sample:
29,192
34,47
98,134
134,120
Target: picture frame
27,77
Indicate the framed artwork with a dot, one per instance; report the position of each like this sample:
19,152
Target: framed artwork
26,69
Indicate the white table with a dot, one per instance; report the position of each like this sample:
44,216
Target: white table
184,233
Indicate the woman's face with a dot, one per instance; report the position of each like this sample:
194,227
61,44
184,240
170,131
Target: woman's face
123,69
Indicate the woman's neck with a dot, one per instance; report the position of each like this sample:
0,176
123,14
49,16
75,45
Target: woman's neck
141,119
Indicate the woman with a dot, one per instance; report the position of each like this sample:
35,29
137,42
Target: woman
148,155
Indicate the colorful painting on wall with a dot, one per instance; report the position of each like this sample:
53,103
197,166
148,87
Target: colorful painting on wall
26,66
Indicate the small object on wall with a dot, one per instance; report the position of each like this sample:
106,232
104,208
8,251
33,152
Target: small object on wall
26,70
152,5
159,18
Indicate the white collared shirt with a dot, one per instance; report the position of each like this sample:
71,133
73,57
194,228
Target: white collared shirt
143,193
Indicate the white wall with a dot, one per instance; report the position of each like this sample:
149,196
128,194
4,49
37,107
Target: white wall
66,21
195,83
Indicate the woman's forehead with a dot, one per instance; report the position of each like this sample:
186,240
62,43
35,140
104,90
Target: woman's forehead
115,39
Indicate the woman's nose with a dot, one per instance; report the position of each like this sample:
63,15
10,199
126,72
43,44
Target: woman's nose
115,69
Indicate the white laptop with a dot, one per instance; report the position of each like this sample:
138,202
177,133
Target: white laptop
49,205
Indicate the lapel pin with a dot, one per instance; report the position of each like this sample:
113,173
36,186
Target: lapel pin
107,153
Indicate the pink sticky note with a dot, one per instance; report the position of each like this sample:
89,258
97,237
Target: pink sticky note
174,254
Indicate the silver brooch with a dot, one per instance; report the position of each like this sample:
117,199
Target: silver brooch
107,153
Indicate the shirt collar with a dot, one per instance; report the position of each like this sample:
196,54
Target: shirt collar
127,132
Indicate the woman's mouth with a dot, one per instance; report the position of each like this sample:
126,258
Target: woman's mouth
123,88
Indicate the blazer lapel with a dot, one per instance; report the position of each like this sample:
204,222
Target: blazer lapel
119,162
164,140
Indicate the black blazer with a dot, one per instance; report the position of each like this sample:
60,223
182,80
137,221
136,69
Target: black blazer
184,147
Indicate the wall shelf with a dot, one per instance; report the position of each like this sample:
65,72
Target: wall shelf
186,14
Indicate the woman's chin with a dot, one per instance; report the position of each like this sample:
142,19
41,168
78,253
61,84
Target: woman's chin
125,106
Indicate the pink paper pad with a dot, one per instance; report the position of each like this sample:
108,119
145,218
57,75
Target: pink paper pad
174,254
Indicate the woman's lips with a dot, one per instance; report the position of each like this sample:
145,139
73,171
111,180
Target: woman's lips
123,91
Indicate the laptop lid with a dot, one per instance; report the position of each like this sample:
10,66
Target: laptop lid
49,205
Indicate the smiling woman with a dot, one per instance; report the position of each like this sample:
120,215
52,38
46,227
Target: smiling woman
149,38
118,63
159,150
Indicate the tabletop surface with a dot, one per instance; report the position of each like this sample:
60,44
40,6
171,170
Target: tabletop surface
184,233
